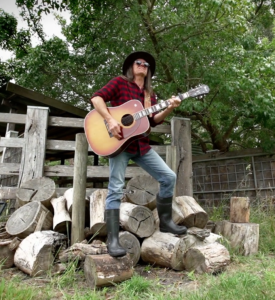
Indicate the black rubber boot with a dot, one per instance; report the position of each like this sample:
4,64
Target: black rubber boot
112,220
166,224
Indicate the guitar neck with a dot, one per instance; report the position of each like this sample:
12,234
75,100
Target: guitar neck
155,108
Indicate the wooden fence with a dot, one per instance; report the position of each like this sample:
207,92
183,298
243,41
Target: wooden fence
35,145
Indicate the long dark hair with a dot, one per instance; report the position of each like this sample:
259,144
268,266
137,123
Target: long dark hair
147,79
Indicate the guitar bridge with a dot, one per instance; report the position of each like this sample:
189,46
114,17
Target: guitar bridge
107,127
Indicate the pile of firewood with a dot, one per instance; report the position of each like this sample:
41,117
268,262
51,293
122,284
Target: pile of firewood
36,237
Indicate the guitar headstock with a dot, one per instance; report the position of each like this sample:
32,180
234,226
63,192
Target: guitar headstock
199,91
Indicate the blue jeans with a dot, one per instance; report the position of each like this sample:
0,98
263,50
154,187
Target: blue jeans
151,162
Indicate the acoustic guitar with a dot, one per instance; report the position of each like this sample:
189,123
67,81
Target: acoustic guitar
133,120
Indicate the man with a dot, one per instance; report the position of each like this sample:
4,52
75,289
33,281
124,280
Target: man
138,68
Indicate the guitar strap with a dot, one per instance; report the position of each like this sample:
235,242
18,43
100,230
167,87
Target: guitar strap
147,101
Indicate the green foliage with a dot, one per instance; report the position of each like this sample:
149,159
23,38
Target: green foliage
227,45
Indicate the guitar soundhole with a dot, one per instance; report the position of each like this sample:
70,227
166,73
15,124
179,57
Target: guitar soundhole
127,120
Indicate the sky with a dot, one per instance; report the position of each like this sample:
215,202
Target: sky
50,25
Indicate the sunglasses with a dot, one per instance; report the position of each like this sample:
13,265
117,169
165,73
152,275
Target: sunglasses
144,64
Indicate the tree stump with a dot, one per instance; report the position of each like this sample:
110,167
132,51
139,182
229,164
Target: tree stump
104,270
243,237
142,190
187,212
137,219
29,218
97,210
78,251
131,244
210,258
239,209
44,247
61,217
40,189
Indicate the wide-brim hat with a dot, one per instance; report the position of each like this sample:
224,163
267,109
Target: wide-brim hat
136,55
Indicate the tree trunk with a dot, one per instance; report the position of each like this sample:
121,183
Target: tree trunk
29,218
239,209
243,237
131,244
142,190
137,219
61,217
104,270
210,258
97,210
37,190
44,247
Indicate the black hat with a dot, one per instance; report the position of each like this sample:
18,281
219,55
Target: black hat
136,55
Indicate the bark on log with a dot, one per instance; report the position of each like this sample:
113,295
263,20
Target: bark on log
61,218
243,237
29,218
3,232
239,209
186,211
105,270
137,219
210,258
97,210
6,254
44,247
78,251
41,189
131,244
142,190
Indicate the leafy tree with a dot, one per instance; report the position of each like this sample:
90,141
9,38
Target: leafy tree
227,45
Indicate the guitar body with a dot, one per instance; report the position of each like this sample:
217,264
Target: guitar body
98,136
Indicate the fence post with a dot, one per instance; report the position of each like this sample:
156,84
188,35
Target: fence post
34,150
79,188
181,138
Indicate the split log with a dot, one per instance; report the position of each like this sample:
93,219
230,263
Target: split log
61,218
239,209
164,249
69,205
97,210
105,270
187,212
243,237
78,251
6,254
137,219
142,190
40,189
44,247
210,258
29,218
131,244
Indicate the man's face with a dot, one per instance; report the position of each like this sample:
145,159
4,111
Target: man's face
140,67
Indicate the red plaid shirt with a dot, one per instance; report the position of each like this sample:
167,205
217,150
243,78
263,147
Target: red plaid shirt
118,91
